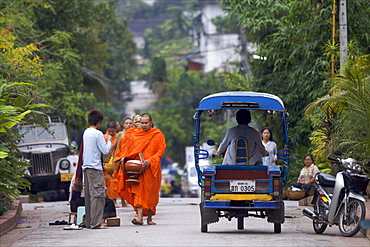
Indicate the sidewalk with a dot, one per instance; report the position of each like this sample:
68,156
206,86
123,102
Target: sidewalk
9,220
18,223
367,217
33,216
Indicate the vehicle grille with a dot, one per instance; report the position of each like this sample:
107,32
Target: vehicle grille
42,164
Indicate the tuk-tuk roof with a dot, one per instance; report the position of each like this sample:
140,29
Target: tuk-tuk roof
241,100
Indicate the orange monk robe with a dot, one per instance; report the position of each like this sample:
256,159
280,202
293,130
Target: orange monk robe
111,183
123,144
122,186
145,194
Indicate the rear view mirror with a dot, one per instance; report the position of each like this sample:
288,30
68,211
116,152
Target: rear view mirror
214,112
268,112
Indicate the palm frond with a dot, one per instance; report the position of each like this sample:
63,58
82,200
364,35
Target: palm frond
96,83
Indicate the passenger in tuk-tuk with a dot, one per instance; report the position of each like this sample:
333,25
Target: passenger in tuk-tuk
269,144
255,148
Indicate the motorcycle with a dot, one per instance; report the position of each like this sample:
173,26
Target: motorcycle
337,200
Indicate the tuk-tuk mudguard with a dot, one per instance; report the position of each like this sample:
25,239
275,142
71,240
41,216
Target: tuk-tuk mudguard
249,205
276,215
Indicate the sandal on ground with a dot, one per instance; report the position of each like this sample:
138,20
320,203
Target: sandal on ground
100,227
72,227
136,222
63,222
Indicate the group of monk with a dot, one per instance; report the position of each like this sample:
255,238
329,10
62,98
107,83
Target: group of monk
136,140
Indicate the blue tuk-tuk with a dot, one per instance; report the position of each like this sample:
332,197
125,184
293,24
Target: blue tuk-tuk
260,192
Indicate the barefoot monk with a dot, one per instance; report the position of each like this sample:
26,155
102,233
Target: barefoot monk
144,196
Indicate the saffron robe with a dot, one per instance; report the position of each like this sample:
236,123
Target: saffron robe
152,145
111,183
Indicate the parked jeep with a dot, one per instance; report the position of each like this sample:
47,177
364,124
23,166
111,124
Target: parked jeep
51,158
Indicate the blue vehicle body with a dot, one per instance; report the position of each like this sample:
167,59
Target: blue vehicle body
219,198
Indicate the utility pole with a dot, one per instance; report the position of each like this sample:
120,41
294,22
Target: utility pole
343,37
333,32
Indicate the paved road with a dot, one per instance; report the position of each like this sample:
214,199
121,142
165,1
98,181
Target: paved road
178,224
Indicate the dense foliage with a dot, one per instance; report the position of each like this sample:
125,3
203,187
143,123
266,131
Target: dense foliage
293,50
342,116
175,109
85,61
178,90
20,101
74,55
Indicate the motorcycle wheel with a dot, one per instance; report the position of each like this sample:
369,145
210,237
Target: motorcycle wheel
349,220
319,227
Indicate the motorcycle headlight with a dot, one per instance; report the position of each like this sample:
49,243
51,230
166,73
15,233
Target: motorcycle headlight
352,164
357,167
64,164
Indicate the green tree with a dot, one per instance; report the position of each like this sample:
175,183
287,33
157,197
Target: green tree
85,61
174,109
20,102
227,24
158,74
346,128
291,36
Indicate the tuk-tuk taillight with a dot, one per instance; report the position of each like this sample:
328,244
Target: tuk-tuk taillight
276,186
208,174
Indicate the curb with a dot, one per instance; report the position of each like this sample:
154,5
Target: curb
366,232
9,220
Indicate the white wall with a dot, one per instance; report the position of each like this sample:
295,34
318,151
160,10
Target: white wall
217,50
210,11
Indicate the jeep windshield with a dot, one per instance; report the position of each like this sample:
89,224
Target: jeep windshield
39,134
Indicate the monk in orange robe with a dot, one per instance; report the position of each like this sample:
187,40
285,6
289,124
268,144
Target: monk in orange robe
122,151
143,196
110,181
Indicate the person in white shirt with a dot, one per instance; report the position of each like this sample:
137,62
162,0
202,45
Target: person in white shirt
94,145
269,144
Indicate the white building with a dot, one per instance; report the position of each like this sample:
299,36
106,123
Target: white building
215,50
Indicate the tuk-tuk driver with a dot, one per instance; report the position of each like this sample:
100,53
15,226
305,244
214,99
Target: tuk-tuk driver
256,150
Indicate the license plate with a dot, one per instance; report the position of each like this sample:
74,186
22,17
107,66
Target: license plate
242,186
66,177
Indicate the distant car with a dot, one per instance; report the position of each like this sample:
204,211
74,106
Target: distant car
189,179
173,175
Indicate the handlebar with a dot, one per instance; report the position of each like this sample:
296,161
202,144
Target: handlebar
332,159
348,164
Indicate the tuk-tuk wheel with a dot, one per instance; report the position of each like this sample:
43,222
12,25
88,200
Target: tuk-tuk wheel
204,228
277,227
240,223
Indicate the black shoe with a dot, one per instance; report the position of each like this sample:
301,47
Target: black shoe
83,225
